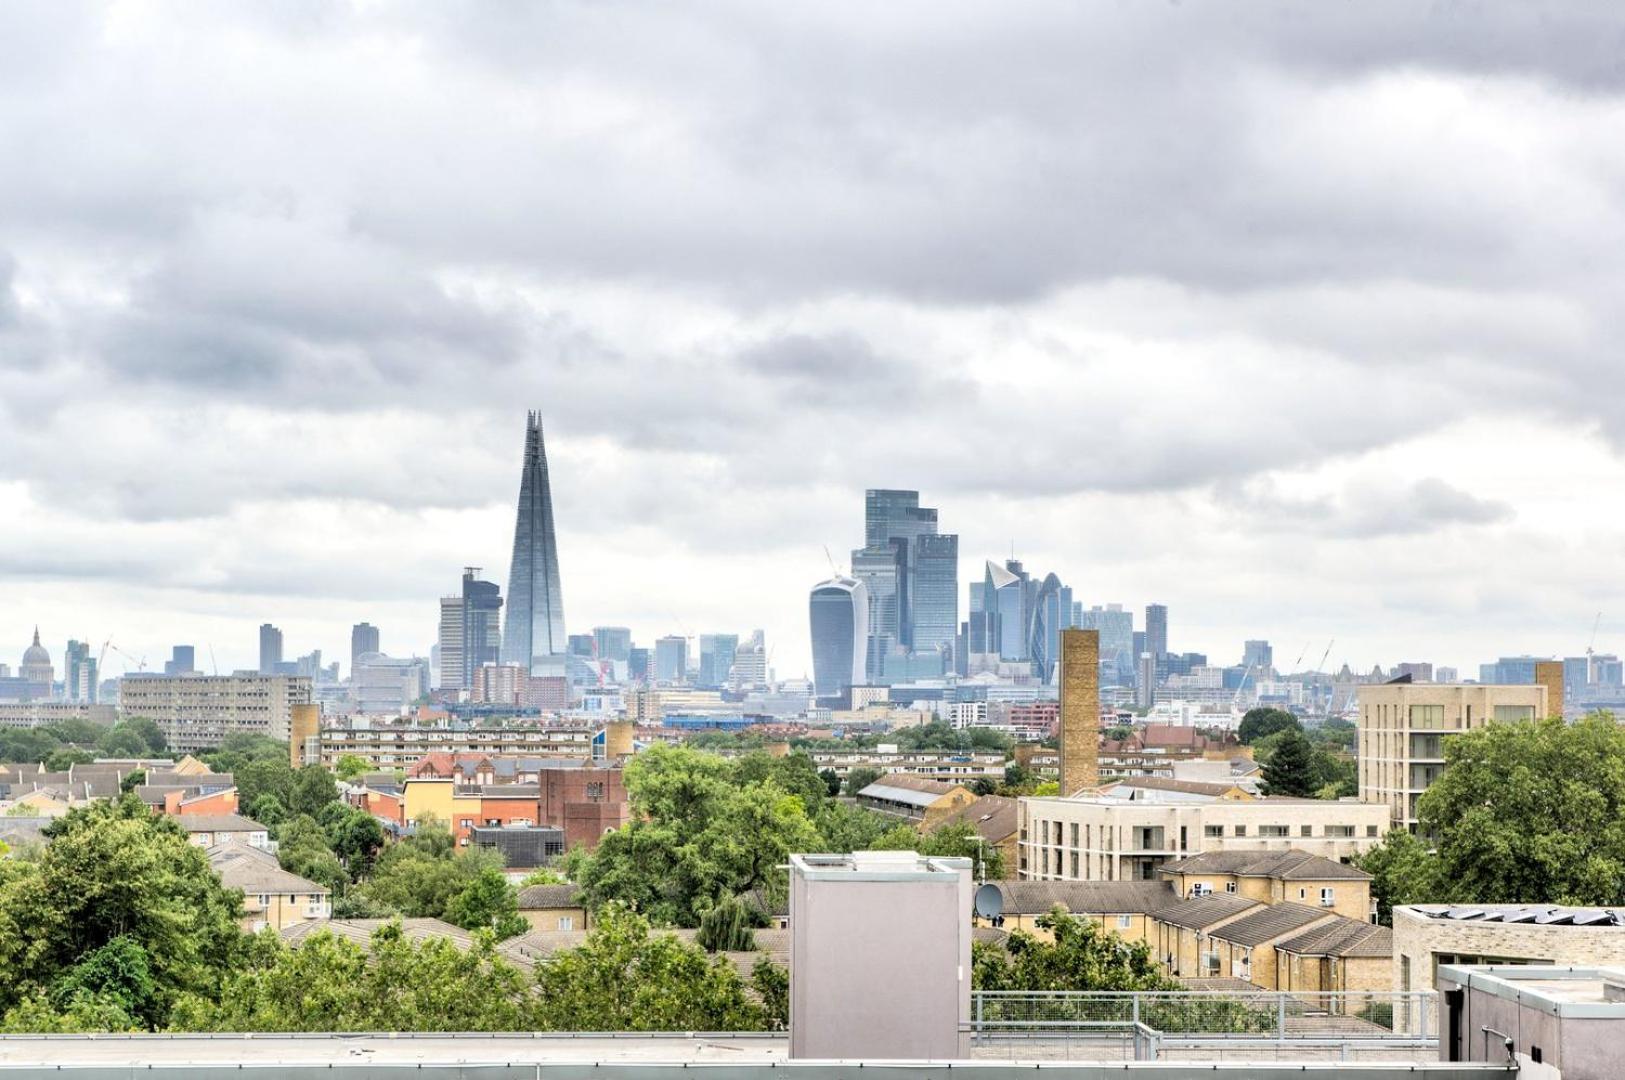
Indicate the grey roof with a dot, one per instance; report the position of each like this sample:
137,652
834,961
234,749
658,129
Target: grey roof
360,930
888,789
529,949
509,791
196,823
1201,912
16,831
1343,937
252,875
1283,865
534,897
1086,897
1276,920
994,817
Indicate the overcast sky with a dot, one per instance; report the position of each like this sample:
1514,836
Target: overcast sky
1304,319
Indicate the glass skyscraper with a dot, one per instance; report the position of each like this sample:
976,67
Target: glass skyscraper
838,613
534,636
911,573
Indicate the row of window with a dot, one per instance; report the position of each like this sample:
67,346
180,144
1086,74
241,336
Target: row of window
1150,837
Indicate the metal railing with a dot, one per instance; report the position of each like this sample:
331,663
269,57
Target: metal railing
1158,1024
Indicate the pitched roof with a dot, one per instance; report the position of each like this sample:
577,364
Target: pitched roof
1276,920
1201,912
253,876
1086,897
196,823
360,930
1343,937
915,782
1188,787
1290,865
534,897
994,817
907,788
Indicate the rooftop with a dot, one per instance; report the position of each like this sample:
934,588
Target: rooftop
1533,914
1287,865
1086,897
1592,993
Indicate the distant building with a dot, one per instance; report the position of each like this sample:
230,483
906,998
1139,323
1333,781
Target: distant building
750,664
639,665
182,661
1156,629
270,649
838,613
1418,671
717,652
1404,728
36,671
1510,671
1116,628
195,712
363,639
1134,827
272,897
33,714
403,745
612,643
1258,656
671,659
534,634
388,684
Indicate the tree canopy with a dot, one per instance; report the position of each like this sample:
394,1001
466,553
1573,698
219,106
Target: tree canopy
1263,721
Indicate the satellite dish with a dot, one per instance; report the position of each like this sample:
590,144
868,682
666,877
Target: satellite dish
989,901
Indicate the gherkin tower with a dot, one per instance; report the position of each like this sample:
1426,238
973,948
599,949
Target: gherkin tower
534,635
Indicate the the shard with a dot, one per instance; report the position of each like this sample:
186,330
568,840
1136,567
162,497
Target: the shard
534,635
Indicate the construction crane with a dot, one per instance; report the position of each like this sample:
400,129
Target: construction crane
212,663
1591,645
140,665
1322,665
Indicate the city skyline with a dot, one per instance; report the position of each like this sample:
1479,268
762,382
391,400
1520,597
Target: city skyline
1348,381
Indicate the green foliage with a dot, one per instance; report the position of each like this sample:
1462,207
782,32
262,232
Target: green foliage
832,782
329,984
239,749
421,875
75,731
118,974
725,928
543,875
135,738
487,902
1290,768
132,781
113,871
860,777
1532,812
61,759
1082,956
957,839
623,978
772,985
31,745
1263,721
350,766
707,828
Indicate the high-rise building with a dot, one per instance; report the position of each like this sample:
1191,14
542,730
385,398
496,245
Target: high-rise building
1116,629
934,594
1510,671
639,664
583,645
470,630
195,712
1259,656
1145,681
448,646
1049,611
309,666
884,581
36,671
838,615
717,652
534,636
750,663
388,684
671,659
363,639
612,642
1418,670
1000,610
182,660
270,648
79,682
1156,629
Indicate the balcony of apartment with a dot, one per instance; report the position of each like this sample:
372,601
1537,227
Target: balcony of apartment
1427,748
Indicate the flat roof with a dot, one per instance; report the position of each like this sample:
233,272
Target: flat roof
1592,993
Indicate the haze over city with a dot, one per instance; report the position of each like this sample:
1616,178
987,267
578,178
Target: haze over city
1302,328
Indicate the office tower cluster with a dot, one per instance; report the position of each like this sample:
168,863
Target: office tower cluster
905,578
1015,619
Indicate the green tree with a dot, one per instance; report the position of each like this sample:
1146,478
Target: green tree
1403,871
122,741
832,782
112,870
1262,721
860,777
76,731
350,766
1532,812
132,780
487,902
313,788
1081,956
726,928
33,745
151,734
330,984
118,973
356,837
1290,768
957,839
772,985
60,759
623,978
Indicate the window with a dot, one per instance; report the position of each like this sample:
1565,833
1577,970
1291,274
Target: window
1371,830
1230,886
595,791
1201,888
1303,893
567,922
1508,714
1074,866
1241,830
1327,897
1074,834
1345,831
1125,922
1306,830
1274,830
1213,830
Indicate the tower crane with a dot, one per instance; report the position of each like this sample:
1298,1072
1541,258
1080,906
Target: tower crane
1591,645
140,665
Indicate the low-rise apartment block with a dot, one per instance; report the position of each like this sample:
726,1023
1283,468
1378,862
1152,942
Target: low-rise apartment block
401,746
195,712
936,764
1429,935
271,895
1130,830
33,714
1404,727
